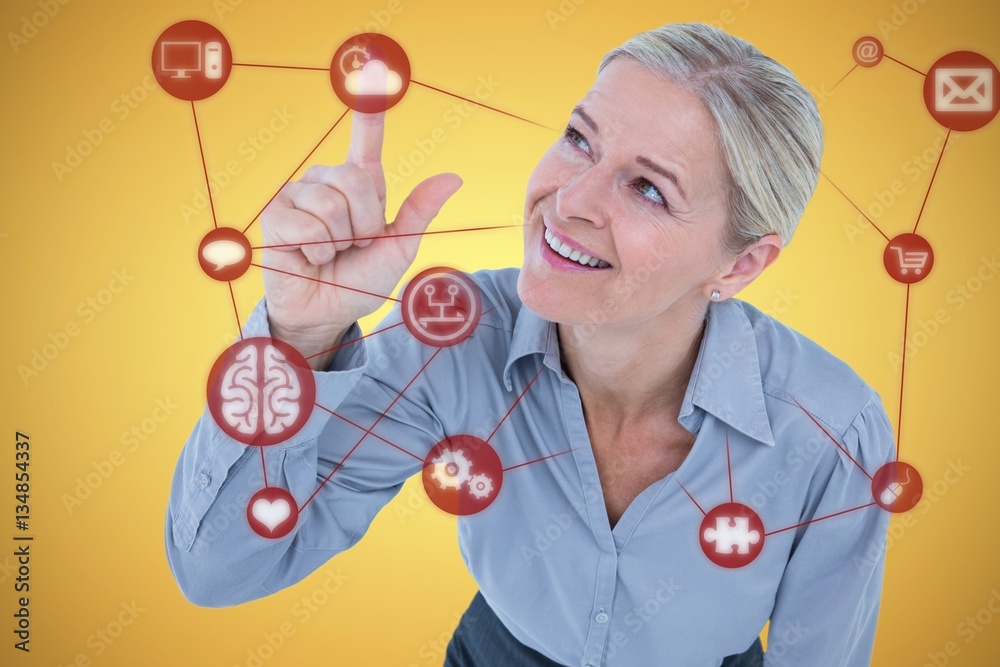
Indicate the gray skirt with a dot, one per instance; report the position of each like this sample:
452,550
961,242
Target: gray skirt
482,640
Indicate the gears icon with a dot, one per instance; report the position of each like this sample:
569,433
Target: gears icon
462,475
451,469
481,486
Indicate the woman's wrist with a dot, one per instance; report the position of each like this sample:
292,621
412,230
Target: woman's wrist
317,346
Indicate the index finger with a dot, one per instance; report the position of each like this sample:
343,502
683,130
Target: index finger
367,130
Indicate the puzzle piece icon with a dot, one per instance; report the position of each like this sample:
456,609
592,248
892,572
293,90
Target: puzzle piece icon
730,532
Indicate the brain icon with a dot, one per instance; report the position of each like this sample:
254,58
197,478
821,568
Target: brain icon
239,392
262,396
280,393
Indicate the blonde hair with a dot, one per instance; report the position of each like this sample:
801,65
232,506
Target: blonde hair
768,124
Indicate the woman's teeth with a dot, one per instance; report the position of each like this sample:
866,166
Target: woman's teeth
573,254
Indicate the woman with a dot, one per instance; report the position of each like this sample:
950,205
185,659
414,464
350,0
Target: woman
644,394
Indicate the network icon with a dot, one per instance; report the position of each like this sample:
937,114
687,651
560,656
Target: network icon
441,307
261,391
960,92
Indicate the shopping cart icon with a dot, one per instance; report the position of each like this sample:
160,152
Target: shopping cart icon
910,259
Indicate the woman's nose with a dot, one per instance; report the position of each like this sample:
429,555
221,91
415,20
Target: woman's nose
585,196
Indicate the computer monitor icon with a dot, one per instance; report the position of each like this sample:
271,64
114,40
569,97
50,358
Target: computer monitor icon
180,58
191,60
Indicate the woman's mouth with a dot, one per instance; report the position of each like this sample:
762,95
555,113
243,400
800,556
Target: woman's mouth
565,257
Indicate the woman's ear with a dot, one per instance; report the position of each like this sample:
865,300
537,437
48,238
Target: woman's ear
751,263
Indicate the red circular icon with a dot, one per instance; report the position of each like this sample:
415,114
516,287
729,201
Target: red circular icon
962,91
370,72
272,512
224,254
462,475
908,258
261,391
441,306
868,52
731,535
897,487
191,60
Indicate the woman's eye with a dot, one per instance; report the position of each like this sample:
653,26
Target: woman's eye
649,191
577,139
646,189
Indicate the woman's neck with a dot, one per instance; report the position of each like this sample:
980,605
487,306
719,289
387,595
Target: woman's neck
631,371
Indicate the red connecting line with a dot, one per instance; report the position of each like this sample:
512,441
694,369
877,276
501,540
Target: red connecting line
322,139
204,166
369,429
729,469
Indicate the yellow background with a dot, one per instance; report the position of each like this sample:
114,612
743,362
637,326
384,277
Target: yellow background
405,585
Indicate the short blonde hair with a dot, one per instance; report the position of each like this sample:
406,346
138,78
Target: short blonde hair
768,124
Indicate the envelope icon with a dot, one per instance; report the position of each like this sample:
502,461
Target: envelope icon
963,89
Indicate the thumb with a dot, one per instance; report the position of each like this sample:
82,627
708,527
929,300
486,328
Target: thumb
421,206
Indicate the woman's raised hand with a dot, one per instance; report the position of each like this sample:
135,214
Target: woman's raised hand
330,226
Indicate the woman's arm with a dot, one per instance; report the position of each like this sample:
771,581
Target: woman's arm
215,556
827,604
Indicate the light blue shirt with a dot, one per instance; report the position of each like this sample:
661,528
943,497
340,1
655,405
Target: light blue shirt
543,553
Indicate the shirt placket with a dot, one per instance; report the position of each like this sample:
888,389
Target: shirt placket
607,565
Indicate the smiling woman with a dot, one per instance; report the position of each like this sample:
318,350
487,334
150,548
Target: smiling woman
649,401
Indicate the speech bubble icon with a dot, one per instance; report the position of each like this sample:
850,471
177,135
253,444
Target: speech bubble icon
223,253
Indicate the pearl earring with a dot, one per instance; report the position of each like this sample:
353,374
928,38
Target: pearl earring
716,294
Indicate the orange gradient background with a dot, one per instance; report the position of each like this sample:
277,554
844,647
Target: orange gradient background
401,590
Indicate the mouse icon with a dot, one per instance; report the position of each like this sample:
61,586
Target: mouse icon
892,492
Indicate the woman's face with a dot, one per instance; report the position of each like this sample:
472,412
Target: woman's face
637,183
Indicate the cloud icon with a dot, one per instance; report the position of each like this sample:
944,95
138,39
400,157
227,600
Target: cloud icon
223,253
374,78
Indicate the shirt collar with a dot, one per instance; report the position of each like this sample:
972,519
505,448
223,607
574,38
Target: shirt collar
725,380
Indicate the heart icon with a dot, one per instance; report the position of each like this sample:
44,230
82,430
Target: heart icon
271,514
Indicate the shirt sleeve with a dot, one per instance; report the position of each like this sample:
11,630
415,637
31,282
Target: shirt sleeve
827,604
215,556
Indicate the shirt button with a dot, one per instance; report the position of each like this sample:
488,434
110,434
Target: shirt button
601,617
205,479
